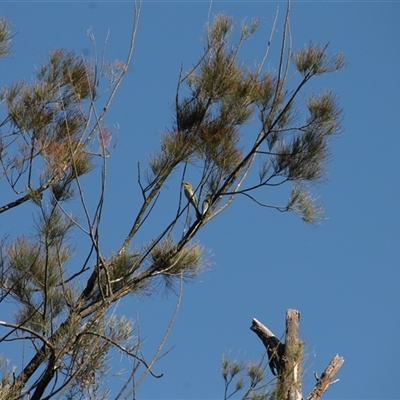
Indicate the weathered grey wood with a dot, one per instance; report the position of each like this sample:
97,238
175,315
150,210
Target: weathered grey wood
288,357
326,378
292,326
275,348
291,382
261,330
285,357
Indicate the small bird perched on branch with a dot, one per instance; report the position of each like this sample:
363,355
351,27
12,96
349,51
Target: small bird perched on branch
206,203
191,196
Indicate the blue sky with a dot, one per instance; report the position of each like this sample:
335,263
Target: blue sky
343,276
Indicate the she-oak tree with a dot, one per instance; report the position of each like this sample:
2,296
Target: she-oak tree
52,134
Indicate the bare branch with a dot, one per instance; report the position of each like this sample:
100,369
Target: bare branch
326,378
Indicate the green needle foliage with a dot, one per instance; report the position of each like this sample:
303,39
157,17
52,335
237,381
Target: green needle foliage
227,118
224,95
5,37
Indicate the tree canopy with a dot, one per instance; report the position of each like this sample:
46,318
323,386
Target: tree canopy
53,134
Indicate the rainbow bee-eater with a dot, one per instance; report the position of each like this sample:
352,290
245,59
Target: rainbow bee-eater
191,196
206,203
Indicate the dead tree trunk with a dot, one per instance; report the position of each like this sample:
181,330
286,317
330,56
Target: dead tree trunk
285,360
